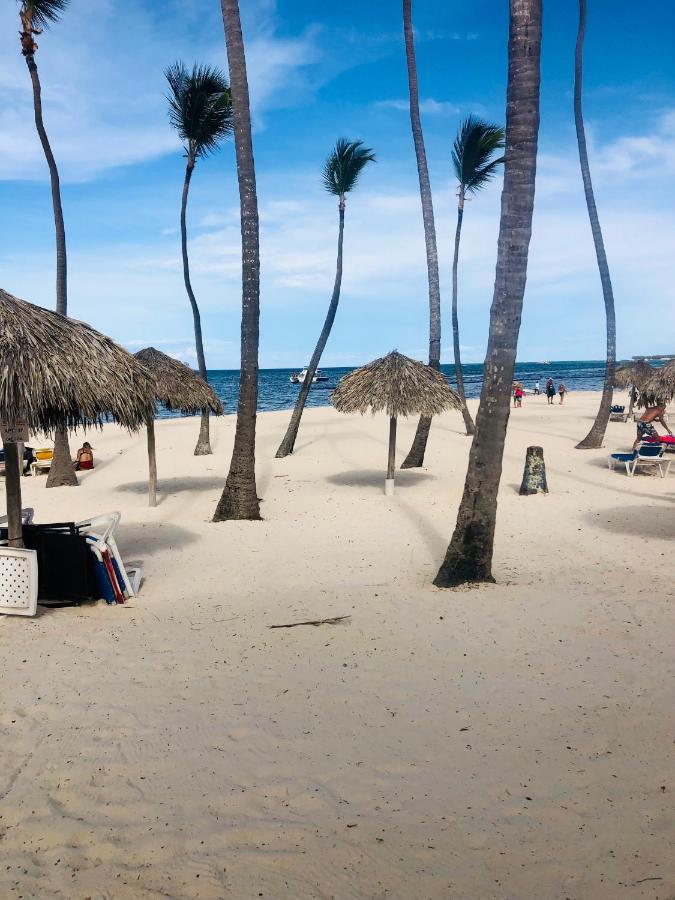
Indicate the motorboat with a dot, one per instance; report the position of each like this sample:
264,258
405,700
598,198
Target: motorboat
299,377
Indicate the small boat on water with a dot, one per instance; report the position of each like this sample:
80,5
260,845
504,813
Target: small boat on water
299,377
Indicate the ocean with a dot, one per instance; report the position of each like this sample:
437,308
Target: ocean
275,390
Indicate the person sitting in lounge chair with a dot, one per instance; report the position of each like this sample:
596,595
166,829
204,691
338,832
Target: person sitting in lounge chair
646,430
85,457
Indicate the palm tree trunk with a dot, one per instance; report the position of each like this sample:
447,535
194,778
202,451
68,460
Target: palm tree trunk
459,375
152,463
13,468
415,457
595,436
61,472
287,445
469,555
203,447
240,498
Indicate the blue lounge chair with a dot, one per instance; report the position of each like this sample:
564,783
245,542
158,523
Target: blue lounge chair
647,454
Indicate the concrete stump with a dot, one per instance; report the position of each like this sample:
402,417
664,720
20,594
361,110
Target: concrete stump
534,474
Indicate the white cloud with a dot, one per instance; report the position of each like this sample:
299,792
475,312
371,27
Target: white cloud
428,106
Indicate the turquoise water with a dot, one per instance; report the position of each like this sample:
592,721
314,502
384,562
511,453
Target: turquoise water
276,391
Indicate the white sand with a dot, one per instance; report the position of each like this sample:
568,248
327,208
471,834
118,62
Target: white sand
514,741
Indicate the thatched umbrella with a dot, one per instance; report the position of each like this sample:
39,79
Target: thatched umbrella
634,377
57,371
398,386
661,386
177,387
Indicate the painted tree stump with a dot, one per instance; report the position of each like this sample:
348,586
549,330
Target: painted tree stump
534,474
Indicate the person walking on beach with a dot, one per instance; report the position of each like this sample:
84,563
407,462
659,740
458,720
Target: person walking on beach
562,390
536,388
550,391
518,394
645,424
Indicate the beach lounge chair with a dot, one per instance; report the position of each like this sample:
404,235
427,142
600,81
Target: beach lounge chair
646,455
18,581
618,414
42,461
101,529
26,517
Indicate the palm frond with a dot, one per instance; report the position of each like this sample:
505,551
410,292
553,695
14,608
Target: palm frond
43,13
473,153
200,106
343,167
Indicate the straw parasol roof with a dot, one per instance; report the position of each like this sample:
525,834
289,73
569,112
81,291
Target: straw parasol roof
396,385
57,371
177,386
661,385
634,374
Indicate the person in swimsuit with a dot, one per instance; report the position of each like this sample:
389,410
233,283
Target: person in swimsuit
85,457
646,430
562,390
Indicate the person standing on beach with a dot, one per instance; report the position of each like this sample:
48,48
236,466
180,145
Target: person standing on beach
550,391
645,424
562,390
518,394
536,388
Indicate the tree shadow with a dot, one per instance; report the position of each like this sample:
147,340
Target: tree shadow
167,486
375,478
647,521
138,539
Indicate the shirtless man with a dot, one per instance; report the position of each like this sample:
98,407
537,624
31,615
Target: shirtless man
645,425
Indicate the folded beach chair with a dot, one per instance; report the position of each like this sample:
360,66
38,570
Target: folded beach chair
18,581
646,455
101,529
26,517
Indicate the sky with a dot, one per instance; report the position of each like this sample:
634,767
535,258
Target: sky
318,72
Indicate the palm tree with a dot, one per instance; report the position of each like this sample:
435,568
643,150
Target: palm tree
474,163
415,456
200,109
594,438
239,499
36,15
340,173
469,555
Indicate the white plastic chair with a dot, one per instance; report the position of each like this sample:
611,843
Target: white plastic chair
18,581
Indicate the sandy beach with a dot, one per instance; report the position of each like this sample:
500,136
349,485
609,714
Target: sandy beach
511,741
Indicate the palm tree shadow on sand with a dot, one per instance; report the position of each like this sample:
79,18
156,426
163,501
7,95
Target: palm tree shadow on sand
139,540
648,522
375,478
168,486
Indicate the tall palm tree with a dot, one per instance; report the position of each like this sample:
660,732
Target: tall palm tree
415,456
340,173
200,109
239,499
469,555
595,436
36,15
475,165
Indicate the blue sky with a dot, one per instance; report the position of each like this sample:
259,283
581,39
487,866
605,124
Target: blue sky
317,72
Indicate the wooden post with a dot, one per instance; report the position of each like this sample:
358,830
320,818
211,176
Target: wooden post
13,491
391,463
534,474
152,464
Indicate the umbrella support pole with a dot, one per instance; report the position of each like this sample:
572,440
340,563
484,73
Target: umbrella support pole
391,464
152,464
13,491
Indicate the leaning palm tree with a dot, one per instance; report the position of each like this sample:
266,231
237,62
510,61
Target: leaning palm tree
239,499
595,436
469,555
200,109
340,173
35,16
415,456
475,165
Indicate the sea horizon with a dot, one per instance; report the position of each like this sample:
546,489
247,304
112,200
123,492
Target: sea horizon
276,392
